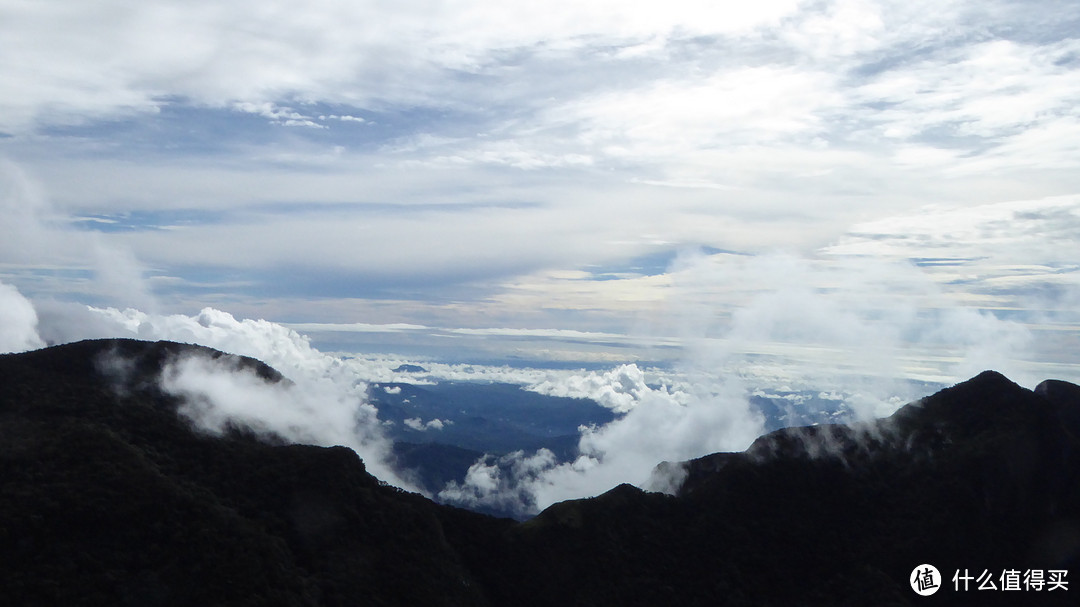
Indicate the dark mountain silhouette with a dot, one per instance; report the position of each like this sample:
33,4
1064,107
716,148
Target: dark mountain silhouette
409,369
435,464
109,497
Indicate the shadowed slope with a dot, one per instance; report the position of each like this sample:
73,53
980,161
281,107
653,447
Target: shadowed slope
110,497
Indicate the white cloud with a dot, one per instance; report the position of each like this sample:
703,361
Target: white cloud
729,108
840,29
324,402
502,483
994,90
36,236
619,389
278,346
344,118
988,255
419,425
72,61
858,317
374,248
357,327
319,411
665,423
712,415
18,322
859,326
554,333
28,233
219,391
284,116
782,123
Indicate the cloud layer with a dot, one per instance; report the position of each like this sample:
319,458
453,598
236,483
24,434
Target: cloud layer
503,141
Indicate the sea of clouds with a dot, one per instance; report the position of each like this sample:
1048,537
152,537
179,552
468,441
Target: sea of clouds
852,337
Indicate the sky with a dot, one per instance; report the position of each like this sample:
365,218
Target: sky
582,181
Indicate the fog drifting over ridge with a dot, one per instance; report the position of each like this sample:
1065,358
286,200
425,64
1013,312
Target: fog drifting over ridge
862,345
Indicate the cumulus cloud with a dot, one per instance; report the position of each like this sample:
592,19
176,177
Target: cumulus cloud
278,346
657,423
501,483
664,425
419,425
323,402
619,389
64,321
18,322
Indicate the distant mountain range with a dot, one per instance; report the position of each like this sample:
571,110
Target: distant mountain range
110,497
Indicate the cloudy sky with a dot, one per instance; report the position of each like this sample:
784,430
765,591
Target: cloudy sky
892,182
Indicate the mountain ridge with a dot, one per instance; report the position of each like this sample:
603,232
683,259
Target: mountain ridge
108,497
